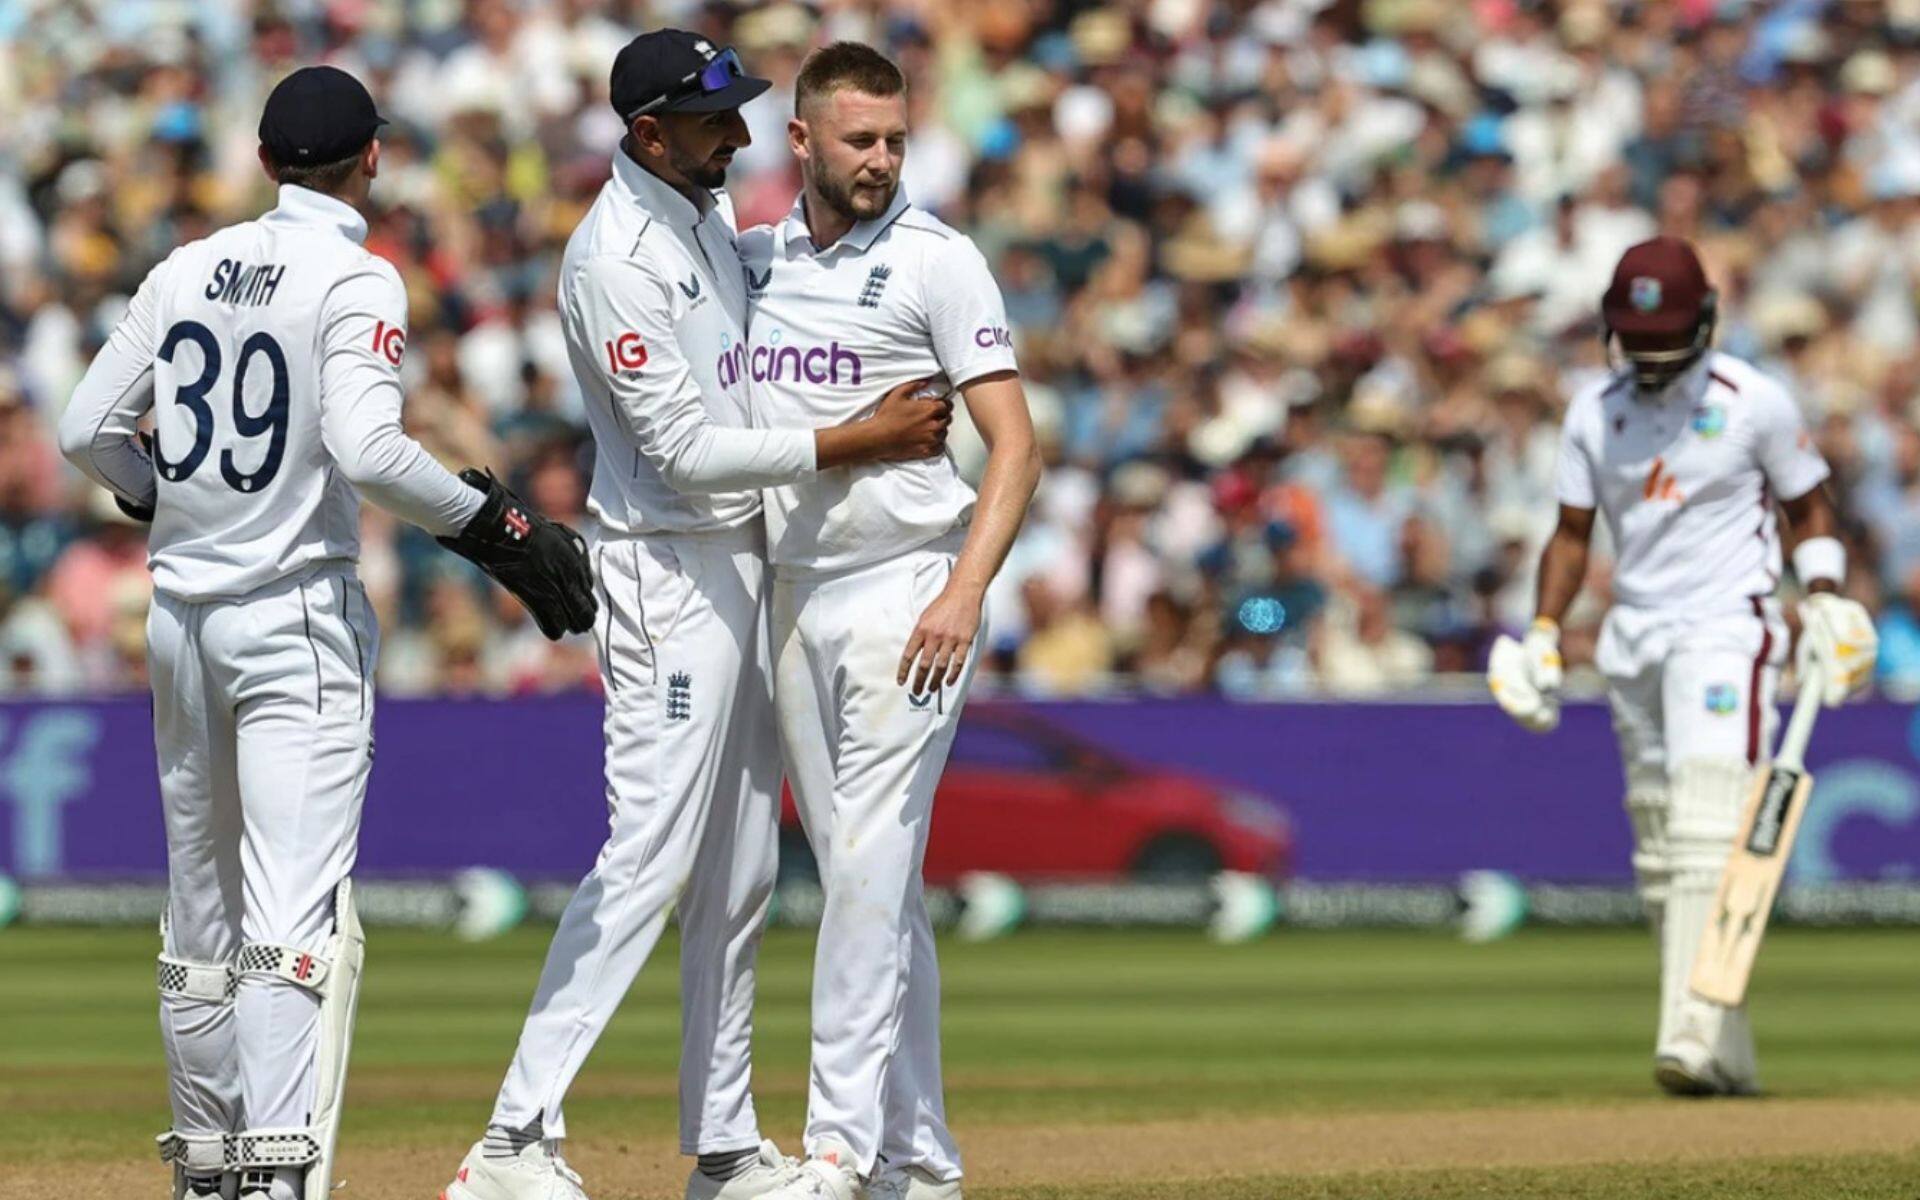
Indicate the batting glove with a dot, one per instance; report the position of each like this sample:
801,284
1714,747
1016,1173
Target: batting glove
1838,634
1525,676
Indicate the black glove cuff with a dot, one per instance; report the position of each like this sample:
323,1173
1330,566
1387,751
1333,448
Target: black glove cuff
502,519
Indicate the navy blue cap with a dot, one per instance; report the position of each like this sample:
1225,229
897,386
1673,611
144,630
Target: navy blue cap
318,115
671,70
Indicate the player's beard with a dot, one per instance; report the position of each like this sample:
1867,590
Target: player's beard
846,200
704,173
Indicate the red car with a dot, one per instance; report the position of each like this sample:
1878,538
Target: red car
1032,801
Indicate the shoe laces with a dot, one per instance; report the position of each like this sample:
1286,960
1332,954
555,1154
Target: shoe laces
552,1147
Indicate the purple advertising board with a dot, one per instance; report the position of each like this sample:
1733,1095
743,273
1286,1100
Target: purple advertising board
1374,791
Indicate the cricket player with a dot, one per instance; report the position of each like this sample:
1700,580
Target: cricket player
1687,452
879,577
654,306
268,355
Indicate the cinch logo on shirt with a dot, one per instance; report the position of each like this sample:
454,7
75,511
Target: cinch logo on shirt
988,336
831,363
731,366
626,353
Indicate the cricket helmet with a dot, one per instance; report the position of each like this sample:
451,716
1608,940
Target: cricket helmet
1661,308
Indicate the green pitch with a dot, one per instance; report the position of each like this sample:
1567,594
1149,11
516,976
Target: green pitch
1086,1064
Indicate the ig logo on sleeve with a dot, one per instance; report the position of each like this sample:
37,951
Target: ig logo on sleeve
626,353
389,342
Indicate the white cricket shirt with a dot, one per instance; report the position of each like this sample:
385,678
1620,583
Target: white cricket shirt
900,297
1687,478
655,311
270,354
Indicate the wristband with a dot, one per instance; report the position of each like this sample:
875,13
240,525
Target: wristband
1820,558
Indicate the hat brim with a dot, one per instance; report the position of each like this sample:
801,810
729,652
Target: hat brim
742,89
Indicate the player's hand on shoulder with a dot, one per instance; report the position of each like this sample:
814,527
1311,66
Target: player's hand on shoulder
1837,634
911,423
1525,676
542,562
942,637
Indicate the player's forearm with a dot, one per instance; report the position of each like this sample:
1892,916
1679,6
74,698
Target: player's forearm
1006,489
1563,564
1819,556
721,458
843,445
695,454
97,430
395,472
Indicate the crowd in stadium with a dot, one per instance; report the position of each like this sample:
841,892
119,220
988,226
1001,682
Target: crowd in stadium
1299,289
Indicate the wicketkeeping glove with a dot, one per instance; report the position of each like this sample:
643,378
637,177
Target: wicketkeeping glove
543,563
1838,633
142,514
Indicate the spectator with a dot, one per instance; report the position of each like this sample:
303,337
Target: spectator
1298,288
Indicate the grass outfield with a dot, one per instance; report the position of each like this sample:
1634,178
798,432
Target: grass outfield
1309,1064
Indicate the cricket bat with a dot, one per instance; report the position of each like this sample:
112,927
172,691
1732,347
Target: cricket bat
1753,873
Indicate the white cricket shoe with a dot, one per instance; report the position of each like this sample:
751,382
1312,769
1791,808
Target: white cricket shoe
536,1173
224,1186
910,1183
1687,1068
770,1171
819,1179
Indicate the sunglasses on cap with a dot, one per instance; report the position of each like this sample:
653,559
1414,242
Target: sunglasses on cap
720,71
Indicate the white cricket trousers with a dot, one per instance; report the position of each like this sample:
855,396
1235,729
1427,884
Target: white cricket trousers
864,757
262,722
1693,706
693,785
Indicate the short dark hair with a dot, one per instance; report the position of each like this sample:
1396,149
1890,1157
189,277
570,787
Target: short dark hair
326,177
846,65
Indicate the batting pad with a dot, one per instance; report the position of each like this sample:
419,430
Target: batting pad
339,998
1649,809
1708,795
335,978
210,983
192,1154
284,962
258,1149
206,983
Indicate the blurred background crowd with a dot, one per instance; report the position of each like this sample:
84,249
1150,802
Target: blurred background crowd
1300,289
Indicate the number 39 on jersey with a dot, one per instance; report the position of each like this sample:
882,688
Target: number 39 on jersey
259,352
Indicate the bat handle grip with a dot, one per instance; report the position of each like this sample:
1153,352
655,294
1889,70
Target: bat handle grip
1793,747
